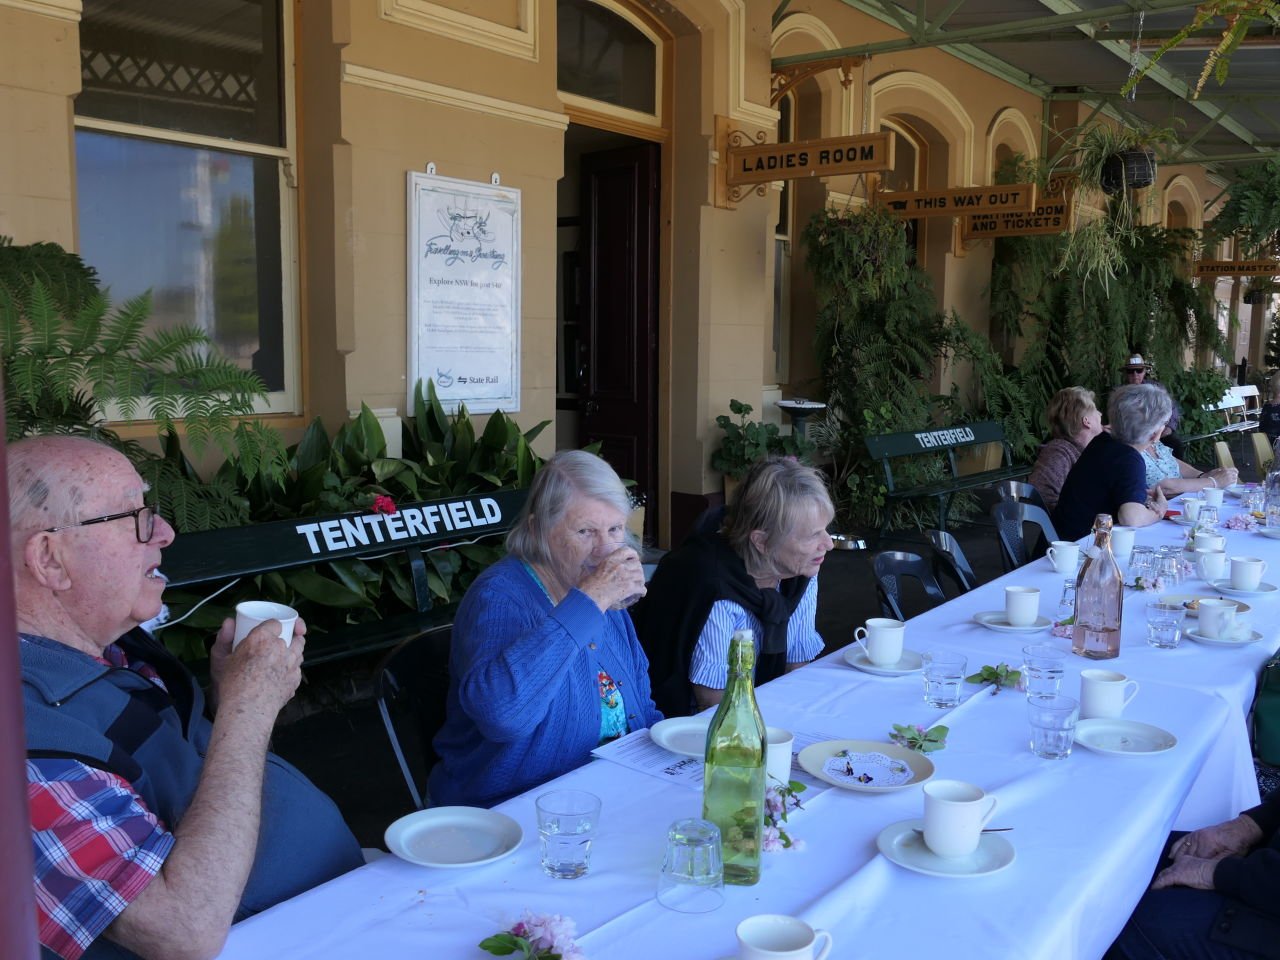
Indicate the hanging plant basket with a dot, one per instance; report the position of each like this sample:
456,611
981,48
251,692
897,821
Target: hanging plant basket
1128,169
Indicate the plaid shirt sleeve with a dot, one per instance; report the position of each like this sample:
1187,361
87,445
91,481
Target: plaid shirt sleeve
96,849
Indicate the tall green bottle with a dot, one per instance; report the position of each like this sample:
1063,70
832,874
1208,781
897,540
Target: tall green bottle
733,788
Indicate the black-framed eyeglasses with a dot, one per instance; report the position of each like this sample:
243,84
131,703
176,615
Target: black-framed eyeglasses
144,522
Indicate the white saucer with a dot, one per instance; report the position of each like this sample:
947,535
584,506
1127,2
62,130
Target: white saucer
996,620
686,736
1235,490
1123,738
1224,586
909,662
1254,637
1271,533
813,760
1183,520
453,836
900,843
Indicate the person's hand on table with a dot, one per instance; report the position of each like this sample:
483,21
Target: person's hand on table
1158,503
1232,838
1223,476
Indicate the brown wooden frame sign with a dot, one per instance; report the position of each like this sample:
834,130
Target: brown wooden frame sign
1052,214
959,201
1237,268
766,162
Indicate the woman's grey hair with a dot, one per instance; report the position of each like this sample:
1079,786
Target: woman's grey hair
771,498
568,476
1137,411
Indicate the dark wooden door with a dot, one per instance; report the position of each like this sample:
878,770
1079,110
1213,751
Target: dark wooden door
619,256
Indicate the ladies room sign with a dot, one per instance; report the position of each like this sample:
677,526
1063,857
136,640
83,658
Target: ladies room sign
464,292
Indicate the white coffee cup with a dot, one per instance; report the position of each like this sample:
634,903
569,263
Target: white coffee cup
1216,616
954,815
773,936
881,640
1212,496
1211,564
1191,507
1105,693
253,612
1021,605
1210,541
1122,543
1246,572
777,761
1065,556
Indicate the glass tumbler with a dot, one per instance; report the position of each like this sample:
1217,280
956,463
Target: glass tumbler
1164,624
943,675
692,878
1142,563
1053,726
567,825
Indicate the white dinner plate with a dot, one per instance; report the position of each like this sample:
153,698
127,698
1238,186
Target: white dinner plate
918,768
683,735
1225,586
1254,637
909,662
1183,520
1189,598
1236,489
996,620
1123,738
900,843
1271,533
453,836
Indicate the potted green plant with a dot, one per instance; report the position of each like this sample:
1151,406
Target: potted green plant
745,441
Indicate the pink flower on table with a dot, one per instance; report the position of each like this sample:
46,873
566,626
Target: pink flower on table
549,932
384,504
771,841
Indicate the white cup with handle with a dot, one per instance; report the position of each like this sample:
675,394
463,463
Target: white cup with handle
1212,496
1191,507
954,814
253,612
1122,544
1105,693
1246,572
1211,565
1021,605
777,758
881,640
775,936
1205,540
1217,617
1065,556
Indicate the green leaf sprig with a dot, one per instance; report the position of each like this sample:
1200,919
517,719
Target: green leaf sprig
917,738
1001,675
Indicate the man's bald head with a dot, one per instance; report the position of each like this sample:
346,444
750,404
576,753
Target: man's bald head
51,479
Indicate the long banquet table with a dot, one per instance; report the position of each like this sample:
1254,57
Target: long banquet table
1087,830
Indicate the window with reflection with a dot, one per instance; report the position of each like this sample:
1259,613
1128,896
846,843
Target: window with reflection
181,145
604,57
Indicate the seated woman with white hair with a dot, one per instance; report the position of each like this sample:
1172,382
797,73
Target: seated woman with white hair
545,665
1110,476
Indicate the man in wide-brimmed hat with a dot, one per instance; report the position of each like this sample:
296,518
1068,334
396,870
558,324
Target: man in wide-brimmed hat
1135,369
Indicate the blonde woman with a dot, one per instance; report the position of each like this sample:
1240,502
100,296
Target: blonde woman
1074,420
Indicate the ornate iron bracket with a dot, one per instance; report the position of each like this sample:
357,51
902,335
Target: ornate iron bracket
740,138
785,78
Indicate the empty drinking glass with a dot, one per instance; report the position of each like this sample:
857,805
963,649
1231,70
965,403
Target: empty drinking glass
1142,563
1053,726
1208,516
1067,603
1164,624
692,878
1273,516
943,675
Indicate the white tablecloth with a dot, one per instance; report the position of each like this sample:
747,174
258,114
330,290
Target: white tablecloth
1087,830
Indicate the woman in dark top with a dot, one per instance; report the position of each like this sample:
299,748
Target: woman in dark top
1269,418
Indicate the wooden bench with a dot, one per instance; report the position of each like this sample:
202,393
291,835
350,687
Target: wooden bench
216,555
939,445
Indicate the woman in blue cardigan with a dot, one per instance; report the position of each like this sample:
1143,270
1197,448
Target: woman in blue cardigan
545,664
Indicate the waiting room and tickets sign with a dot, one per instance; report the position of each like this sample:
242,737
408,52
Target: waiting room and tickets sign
1052,214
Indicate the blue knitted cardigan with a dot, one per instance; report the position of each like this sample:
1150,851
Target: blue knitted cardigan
524,698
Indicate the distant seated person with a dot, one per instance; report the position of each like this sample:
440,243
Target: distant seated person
1136,370
758,573
545,665
1216,894
153,827
1074,420
1173,476
1269,418
1110,476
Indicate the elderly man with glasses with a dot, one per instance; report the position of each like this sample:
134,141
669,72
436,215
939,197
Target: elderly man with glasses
154,827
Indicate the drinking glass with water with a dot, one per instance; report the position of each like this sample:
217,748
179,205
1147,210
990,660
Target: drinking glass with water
567,823
943,675
1042,669
1053,726
1164,624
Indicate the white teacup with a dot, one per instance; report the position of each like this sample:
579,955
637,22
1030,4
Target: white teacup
1216,617
1122,544
1065,556
1105,693
954,815
773,936
1211,565
1246,572
1212,496
1021,605
777,762
1191,507
881,640
253,612
1210,541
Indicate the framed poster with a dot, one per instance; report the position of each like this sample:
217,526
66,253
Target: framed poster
464,292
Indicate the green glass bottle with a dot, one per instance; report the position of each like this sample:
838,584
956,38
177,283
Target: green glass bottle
733,788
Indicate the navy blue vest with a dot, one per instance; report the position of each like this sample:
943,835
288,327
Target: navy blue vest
117,720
